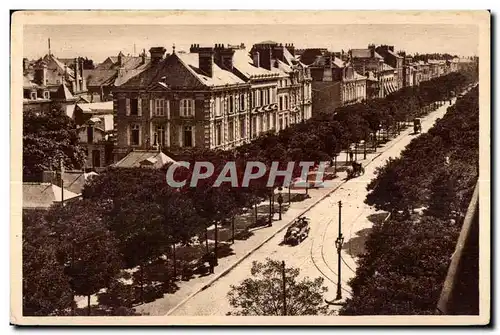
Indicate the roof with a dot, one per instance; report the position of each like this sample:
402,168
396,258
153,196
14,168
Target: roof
394,54
371,76
358,76
96,107
142,158
74,181
97,77
364,53
27,83
267,42
386,67
63,93
219,77
43,195
244,64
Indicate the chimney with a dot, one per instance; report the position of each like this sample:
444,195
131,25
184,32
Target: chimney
25,64
194,48
206,60
77,75
265,55
120,58
41,73
372,50
256,59
157,54
291,49
391,47
278,52
224,57
143,56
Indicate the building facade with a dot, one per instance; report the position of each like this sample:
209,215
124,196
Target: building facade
394,60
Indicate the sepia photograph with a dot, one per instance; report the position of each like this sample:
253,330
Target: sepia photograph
250,167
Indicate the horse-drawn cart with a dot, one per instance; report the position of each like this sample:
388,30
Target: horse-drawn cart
356,169
417,126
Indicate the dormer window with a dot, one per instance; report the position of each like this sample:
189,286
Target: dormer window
33,95
46,95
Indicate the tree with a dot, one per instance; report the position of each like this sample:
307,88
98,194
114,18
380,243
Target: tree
48,138
263,294
46,289
85,246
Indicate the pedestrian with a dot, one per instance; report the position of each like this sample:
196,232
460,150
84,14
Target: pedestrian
211,261
351,155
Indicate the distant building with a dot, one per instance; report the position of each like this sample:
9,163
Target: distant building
114,71
95,124
394,60
335,82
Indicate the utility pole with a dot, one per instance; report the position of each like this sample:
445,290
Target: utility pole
284,286
61,166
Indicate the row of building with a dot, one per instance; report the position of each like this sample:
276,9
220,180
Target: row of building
343,78
216,97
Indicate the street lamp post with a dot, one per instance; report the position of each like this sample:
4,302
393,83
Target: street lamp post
280,201
338,243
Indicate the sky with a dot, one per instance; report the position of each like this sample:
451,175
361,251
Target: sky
100,41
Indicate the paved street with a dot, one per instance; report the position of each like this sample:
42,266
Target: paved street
316,256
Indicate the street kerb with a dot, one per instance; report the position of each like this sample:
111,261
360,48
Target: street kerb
232,266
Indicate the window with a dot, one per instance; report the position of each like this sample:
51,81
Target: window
281,103
134,134
33,95
251,100
286,101
46,95
242,102
187,136
122,106
160,136
230,131
161,107
261,123
269,121
187,107
242,129
90,134
218,134
134,107
218,107
254,126
268,96
262,98
231,104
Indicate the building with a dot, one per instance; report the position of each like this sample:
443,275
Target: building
212,97
177,101
114,71
387,78
294,88
95,128
335,82
394,60
39,98
369,63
